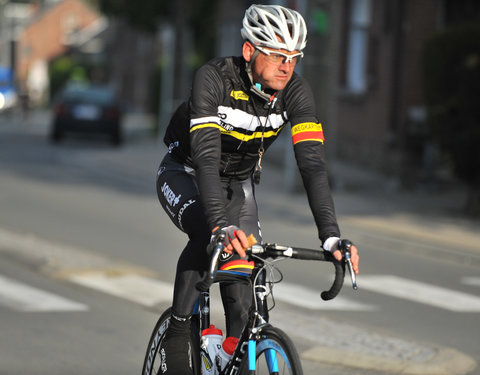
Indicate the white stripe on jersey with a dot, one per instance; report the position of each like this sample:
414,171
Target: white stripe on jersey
235,119
242,120
204,120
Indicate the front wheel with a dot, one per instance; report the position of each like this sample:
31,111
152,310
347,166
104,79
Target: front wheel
275,354
152,364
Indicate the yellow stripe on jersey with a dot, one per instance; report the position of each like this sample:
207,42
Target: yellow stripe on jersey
207,125
240,136
255,135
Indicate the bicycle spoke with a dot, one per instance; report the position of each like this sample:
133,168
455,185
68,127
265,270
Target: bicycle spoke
275,354
272,363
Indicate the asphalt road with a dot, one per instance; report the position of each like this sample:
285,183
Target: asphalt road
81,223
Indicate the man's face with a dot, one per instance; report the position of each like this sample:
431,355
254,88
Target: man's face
271,68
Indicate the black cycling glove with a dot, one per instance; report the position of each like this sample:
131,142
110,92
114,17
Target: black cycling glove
229,231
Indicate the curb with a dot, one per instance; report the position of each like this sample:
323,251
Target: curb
405,226
442,362
460,246
336,343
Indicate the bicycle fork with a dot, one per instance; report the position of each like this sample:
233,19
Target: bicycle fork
252,334
270,355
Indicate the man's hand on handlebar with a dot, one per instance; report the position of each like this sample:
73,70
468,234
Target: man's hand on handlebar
354,257
236,240
332,244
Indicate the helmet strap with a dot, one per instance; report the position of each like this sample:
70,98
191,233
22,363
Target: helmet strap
256,88
250,64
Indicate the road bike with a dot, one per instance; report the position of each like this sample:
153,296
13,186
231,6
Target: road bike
262,348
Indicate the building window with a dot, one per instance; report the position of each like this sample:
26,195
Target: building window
356,67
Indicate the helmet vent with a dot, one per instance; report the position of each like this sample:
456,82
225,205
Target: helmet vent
274,26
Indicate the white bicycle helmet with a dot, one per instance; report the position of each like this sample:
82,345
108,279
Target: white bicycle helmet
263,23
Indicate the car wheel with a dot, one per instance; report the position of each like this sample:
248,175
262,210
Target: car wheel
116,139
56,136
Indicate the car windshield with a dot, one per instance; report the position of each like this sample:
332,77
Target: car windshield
89,95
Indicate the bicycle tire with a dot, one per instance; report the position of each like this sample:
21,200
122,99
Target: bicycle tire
272,338
152,361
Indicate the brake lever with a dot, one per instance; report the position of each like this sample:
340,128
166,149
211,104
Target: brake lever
218,248
344,246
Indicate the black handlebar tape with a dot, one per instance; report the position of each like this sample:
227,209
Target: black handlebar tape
207,281
337,283
307,254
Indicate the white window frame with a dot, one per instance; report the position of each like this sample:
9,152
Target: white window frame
357,49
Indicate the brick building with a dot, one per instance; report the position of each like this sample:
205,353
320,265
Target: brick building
51,31
379,115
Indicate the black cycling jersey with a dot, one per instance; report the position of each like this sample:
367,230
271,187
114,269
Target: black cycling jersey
219,130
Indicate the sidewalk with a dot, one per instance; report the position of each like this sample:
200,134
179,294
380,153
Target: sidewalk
418,216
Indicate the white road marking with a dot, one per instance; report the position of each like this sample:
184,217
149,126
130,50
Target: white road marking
22,297
308,298
420,292
148,291
471,280
140,289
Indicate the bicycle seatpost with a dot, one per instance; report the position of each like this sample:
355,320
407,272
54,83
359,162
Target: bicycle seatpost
344,246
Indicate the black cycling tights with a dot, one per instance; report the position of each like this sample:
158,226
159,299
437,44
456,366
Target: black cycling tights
178,194
236,296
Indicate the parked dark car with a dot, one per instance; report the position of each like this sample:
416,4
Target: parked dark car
87,110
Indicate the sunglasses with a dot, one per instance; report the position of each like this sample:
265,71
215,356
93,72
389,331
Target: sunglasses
278,58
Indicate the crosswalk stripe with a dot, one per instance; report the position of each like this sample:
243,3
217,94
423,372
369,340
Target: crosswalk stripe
308,298
471,280
149,292
23,297
420,292
140,289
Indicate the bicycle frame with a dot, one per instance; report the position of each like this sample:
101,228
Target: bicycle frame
258,318
262,347
259,315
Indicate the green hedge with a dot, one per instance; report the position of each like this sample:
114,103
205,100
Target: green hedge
66,69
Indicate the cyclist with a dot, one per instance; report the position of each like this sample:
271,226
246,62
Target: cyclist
216,139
